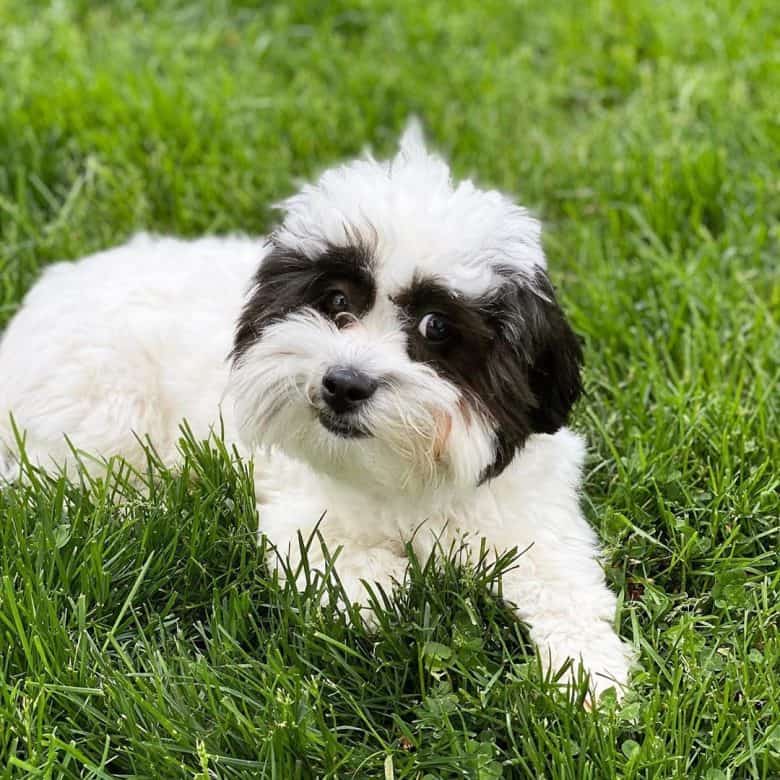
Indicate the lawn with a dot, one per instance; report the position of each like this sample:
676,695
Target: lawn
140,632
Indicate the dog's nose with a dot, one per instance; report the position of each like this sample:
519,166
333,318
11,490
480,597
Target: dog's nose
345,389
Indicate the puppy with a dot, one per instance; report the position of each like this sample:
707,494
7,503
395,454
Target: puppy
393,358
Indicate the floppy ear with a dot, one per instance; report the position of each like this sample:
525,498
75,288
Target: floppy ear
555,359
531,376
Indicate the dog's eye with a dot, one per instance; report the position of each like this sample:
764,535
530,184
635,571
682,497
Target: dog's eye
335,302
434,327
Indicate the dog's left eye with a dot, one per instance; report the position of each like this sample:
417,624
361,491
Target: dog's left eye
434,327
335,302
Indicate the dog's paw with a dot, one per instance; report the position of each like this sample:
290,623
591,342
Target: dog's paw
604,658
374,569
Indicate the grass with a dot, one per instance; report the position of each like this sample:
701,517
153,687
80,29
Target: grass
140,633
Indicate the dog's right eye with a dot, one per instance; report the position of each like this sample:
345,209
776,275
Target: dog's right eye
435,328
335,302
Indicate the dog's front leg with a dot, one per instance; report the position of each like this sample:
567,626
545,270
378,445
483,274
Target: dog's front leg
558,589
359,556
362,568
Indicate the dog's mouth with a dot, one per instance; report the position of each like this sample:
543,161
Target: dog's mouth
341,427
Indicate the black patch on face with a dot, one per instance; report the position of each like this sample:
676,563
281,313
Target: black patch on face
289,281
512,353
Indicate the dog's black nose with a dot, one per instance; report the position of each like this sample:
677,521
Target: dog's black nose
345,389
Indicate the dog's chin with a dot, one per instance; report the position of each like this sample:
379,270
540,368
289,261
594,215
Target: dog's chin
363,458
344,428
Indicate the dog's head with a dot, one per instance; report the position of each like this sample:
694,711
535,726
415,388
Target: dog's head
402,331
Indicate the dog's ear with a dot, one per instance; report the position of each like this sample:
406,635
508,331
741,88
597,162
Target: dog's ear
547,350
554,372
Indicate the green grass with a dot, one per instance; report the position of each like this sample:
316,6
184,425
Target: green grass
140,632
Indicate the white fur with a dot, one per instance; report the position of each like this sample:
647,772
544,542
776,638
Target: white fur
131,341
125,342
419,216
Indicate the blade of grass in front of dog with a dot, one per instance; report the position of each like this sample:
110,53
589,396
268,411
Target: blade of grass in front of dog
128,601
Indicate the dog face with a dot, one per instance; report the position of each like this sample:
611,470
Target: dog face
401,332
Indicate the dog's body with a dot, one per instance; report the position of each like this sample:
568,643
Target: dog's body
128,341
400,369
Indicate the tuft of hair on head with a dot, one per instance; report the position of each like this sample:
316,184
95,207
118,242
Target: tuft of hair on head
417,162
412,141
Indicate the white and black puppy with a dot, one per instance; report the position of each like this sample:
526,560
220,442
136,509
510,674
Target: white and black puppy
398,366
